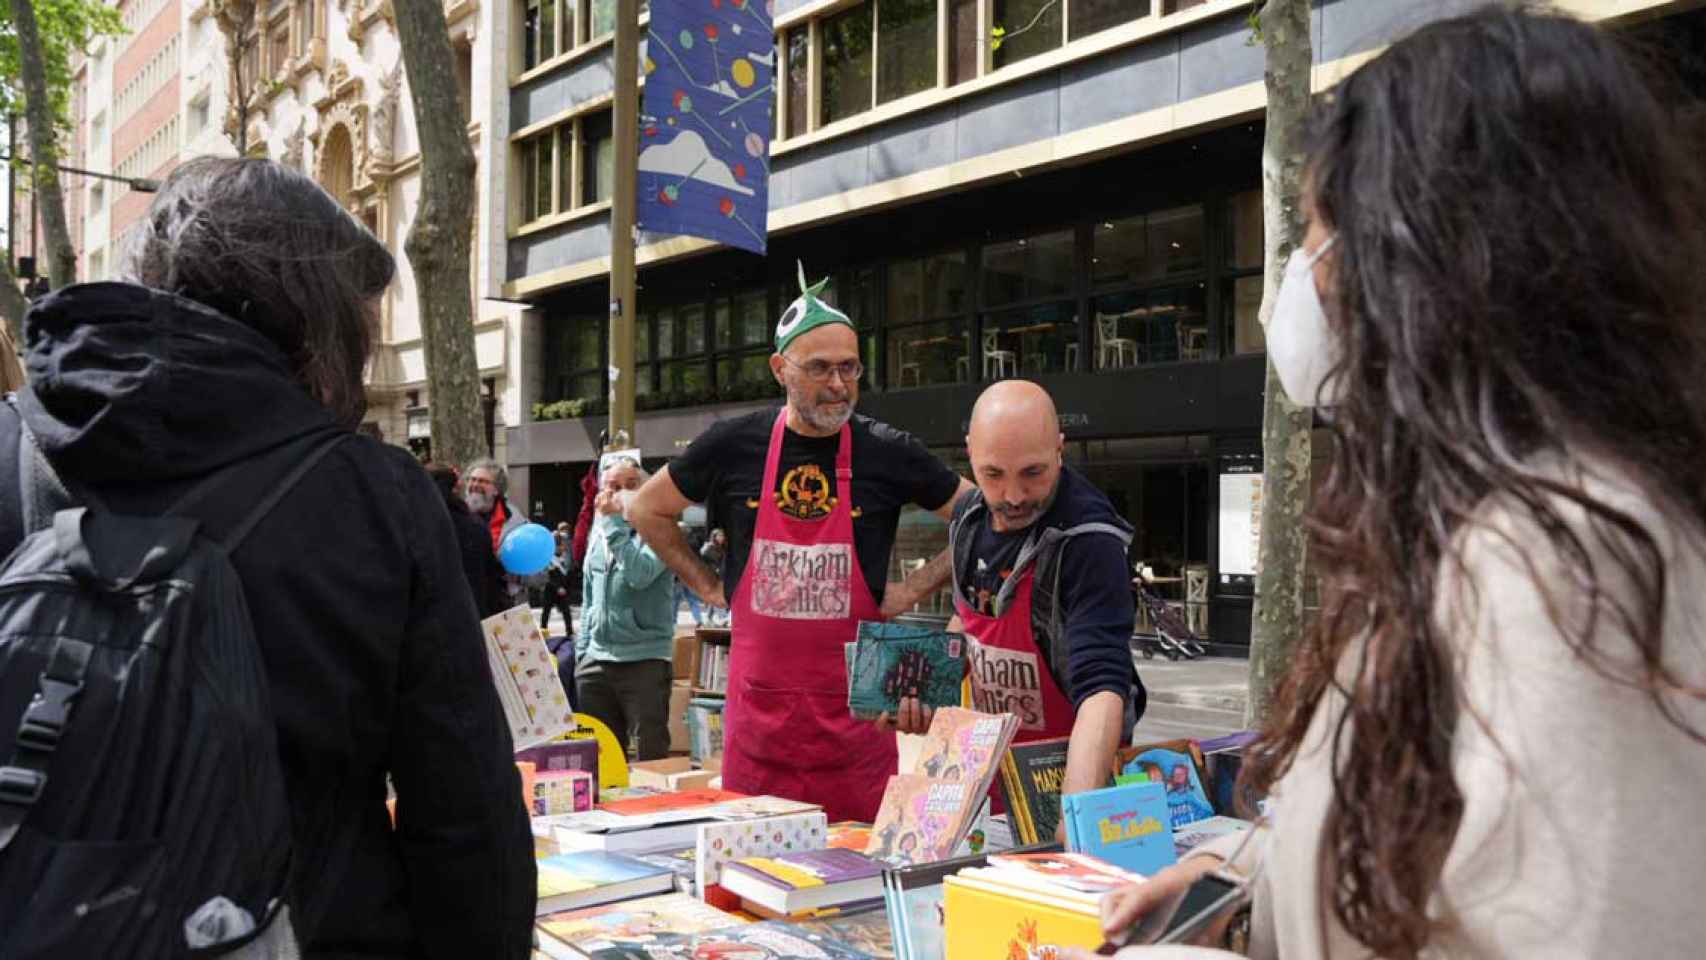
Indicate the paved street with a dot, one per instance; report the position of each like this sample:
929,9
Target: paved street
1192,698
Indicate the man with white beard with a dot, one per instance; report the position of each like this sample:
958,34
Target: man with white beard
485,491
810,498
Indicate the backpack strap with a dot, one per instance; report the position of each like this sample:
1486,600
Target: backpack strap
22,781
302,453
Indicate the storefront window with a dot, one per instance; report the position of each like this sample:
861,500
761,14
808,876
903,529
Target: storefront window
1242,296
1029,341
1244,239
1093,16
1028,269
929,353
906,48
577,358
746,377
1163,244
598,158
1149,326
1029,27
964,51
799,47
932,286
1244,301
846,63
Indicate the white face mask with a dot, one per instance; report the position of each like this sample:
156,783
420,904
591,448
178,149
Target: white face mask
1299,342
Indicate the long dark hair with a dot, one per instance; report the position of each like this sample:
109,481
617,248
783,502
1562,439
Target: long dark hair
266,246
1520,275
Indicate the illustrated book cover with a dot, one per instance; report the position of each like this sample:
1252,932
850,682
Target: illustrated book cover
525,675
570,934
1177,764
771,940
866,931
1031,775
720,843
892,661
1127,826
792,883
582,879
921,819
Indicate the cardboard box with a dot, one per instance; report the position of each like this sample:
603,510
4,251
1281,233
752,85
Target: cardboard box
672,774
679,694
682,658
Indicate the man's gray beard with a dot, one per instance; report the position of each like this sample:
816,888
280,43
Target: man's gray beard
480,502
814,416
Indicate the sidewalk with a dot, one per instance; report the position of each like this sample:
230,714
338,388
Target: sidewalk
1193,698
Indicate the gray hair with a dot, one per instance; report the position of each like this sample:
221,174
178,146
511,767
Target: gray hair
618,463
265,246
500,476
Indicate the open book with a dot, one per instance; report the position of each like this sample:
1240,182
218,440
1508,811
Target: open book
525,674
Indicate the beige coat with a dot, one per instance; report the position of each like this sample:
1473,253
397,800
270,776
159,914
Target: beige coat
1581,833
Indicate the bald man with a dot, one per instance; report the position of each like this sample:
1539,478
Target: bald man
1040,586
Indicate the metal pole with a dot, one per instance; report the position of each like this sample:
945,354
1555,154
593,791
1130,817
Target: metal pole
626,130
11,193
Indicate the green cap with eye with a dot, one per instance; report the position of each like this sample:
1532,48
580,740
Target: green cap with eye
807,313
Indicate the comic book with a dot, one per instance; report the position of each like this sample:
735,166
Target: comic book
891,661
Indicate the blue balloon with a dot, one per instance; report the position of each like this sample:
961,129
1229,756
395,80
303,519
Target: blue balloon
526,550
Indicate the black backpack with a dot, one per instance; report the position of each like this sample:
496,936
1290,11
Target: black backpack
143,810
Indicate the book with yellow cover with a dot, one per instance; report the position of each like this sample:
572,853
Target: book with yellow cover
984,923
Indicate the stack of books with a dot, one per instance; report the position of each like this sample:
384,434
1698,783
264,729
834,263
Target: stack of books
927,813
663,821
576,934
1020,904
1031,777
795,884
1126,826
571,880
714,668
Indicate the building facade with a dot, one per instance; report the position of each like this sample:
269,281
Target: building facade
1079,204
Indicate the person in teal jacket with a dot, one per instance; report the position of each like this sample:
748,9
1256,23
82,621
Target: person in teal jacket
622,655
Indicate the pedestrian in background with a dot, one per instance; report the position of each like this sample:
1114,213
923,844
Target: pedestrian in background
712,554
622,663
486,490
1492,734
479,563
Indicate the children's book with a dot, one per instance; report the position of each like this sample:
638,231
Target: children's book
1057,873
1126,826
1031,775
525,675
562,791
662,805
771,940
866,931
990,922
849,834
964,744
571,934
719,843
921,819
792,883
1177,764
913,896
892,661
572,880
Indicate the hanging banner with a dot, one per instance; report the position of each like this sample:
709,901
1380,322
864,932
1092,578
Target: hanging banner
707,117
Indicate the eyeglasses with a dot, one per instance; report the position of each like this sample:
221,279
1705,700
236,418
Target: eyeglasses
819,370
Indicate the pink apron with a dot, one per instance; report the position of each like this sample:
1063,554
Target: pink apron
786,728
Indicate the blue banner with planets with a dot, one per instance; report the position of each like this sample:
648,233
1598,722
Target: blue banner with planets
706,121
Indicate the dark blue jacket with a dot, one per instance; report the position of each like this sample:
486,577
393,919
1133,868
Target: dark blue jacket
364,616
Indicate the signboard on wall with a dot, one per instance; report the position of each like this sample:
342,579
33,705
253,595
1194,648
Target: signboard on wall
1240,521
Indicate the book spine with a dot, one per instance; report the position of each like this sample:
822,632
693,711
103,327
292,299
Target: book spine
1017,800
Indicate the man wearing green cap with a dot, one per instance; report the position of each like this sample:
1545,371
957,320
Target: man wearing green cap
810,497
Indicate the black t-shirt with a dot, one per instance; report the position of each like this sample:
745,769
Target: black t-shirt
994,555
724,467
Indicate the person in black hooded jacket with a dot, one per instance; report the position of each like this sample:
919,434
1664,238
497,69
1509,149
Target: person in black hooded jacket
479,563
248,323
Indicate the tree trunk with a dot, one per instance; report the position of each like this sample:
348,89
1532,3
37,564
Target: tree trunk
13,305
61,257
438,243
1277,623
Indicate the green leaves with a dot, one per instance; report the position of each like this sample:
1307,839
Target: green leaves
66,27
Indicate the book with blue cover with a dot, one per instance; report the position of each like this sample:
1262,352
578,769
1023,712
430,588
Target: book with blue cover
1128,826
572,880
1175,764
892,661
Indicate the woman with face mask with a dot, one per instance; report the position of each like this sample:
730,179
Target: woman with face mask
1491,740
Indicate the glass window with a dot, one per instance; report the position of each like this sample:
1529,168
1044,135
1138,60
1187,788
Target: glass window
598,158
722,323
1031,27
565,165
691,320
1245,238
1150,326
643,338
530,35
846,63
752,317
547,30
279,48
666,333
745,377
1028,269
1094,16
1161,244
602,19
688,380
799,46
933,286
536,177
1244,303
964,52
582,386
906,45
1028,341
858,296
643,379
580,346
929,353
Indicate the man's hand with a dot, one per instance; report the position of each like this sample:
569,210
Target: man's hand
711,593
911,717
608,503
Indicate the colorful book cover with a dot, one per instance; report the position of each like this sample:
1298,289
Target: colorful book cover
891,661
632,922
866,931
682,863
964,744
921,819
984,924
561,791
666,803
1031,775
771,940
525,674
746,808
849,835
595,869
1178,769
1072,872
1128,826
720,843
1199,832
807,868
914,899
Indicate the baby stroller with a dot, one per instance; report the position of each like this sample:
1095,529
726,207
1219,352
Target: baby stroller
1174,638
